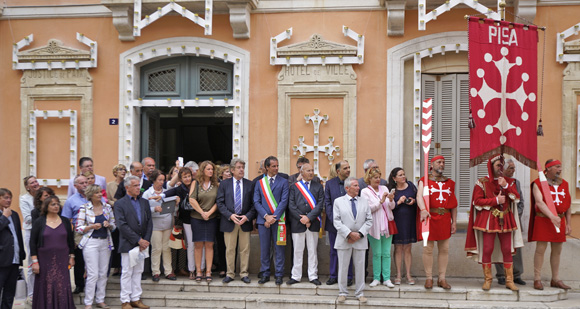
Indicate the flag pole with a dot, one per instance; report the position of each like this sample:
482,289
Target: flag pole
427,117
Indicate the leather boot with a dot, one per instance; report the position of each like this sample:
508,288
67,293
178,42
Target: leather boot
487,276
509,277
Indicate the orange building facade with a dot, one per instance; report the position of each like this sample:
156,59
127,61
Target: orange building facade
212,80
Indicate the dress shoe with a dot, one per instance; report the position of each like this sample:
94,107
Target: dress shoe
362,299
228,279
289,282
155,278
139,304
331,281
315,282
171,277
350,282
103,305
264,280
341,298
126,306
428,284
443,284
501,281
538,285
279,281
246,279
519,281
559,284
78,290
143,276
260,274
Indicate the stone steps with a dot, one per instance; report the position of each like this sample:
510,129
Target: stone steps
466,293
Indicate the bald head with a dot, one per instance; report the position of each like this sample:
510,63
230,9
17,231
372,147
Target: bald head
136,169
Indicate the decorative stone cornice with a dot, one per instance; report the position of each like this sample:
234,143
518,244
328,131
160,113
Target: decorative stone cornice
526,10
317,46
53,51
396,17
239,10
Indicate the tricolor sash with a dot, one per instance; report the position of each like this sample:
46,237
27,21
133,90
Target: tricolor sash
307,194
273,204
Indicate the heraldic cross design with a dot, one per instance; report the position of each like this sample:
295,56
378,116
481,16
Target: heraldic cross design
327,149
487,94
558,194
440,198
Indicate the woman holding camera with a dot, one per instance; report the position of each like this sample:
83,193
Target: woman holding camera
405,214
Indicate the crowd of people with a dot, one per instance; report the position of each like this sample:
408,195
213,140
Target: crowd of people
196,220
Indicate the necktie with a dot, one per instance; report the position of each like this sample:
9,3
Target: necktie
238,199
306,185
353,205
271,182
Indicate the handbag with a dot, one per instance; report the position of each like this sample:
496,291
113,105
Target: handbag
393,228
185,205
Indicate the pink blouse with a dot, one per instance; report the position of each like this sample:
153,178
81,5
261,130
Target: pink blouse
381,212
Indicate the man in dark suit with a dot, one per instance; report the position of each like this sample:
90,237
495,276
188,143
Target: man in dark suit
234,201
136,169
271,201
367,165
306,199
12,253
133,217
335,189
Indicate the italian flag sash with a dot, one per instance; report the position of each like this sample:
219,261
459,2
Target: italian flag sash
272,204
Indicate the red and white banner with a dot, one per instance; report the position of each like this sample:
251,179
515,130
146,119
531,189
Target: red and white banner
503,90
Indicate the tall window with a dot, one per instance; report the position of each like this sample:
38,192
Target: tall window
450,95
186,77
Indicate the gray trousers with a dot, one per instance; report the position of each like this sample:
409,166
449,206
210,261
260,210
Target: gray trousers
518,266
358,259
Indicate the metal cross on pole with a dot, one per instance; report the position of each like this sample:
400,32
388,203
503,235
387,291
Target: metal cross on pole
327,149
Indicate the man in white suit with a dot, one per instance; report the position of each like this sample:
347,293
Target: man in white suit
352,220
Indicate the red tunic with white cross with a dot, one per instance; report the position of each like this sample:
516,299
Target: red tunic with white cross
441,195
541,228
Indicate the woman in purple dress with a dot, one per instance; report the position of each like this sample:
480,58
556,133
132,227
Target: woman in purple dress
51,250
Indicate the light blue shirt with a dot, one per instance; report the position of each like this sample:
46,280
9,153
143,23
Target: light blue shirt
72,206
16,259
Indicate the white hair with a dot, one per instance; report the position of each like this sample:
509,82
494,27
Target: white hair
192,165
348,181
128,180
368,163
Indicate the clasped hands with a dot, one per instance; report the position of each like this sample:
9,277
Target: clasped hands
239,219
353,237
270,220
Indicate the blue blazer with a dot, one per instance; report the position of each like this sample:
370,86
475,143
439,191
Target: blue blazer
7,240
226,204
130,230
331,192
280,191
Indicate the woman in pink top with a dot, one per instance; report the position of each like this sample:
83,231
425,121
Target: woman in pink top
381,203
